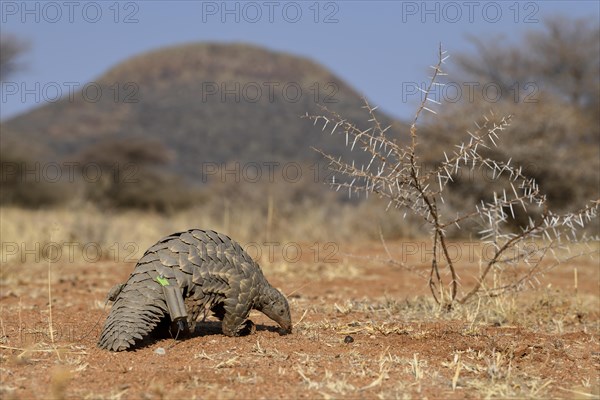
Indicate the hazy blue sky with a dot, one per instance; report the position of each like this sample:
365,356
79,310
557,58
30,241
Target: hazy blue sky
376,46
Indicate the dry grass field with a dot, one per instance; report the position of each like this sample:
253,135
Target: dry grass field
362,327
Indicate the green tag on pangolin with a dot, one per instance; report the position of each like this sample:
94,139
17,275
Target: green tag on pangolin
163,281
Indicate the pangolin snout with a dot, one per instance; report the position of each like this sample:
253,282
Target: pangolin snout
286,328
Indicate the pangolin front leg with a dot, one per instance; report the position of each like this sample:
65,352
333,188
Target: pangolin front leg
237,307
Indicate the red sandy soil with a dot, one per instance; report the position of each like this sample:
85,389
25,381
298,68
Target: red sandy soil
362,333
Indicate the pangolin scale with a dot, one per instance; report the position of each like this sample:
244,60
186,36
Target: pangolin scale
214,274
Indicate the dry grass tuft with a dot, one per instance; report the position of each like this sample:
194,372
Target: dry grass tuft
60,377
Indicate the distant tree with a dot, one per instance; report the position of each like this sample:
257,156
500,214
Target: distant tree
132,175
550,81
563,59
10,49
17,157
22,181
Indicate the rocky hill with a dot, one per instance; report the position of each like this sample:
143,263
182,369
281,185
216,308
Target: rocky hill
182,107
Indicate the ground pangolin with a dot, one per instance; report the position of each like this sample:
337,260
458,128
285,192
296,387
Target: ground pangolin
213,273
